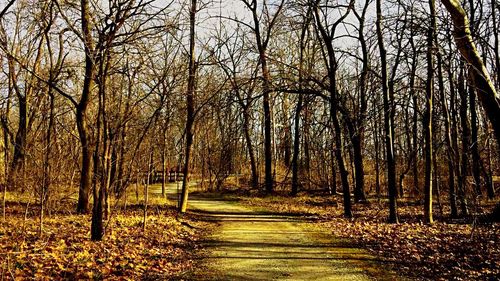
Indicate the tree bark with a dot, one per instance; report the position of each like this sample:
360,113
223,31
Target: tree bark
296,147
448,136
332,67
360,118
429,89
190,106
248,140
300,103
388,126
480,77
81,112
496,39
464,120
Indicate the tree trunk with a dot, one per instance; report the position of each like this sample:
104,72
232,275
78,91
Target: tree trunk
268,155
480,77
358,138
44,193
296,147
476,159
377,151
6,165
266,92
81,112
448,138
332,66
454,135
388,126
19,144
190,106
414,98
490,186
359,189
300,104
476,172
146,191
248,140
429,89
19,155
163,168
97,226
464,120
496,40
344,175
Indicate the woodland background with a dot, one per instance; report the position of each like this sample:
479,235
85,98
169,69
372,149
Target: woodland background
368,101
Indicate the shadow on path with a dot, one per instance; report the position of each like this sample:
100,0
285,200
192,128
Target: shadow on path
249,244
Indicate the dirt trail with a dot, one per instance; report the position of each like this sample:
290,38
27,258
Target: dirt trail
249,245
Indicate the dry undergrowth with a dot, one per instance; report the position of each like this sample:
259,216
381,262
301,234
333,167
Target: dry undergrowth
64,251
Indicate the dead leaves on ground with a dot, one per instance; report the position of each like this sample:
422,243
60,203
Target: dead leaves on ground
65,251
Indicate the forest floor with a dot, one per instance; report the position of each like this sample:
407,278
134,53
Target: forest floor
242,235
166,249
252,243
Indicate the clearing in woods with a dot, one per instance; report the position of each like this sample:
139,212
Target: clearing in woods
248,244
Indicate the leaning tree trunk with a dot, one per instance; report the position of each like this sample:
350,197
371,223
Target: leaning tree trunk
480,77
496,43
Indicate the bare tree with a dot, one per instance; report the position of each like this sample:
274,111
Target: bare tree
388,122
189,105
479,75
327,34
262,37
429,89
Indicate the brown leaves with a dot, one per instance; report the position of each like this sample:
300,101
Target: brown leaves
66,252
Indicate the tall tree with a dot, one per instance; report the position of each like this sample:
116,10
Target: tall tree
464,121
189,106
327,33
450,153
429,89
262,38
82,110
476,158
388,122
307,18
357,136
